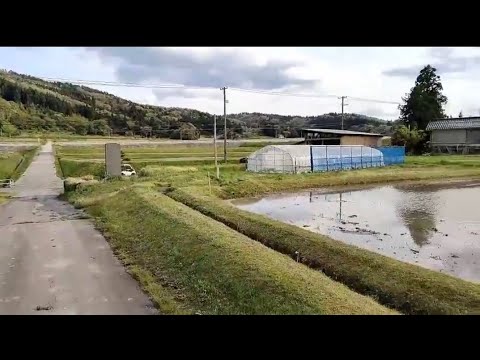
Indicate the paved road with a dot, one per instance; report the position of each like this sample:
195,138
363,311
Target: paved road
52,260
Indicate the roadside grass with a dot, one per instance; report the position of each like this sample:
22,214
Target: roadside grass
405,287
14,163
211,268
8,162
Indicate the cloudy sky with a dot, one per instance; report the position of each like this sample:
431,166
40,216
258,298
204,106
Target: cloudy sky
371,73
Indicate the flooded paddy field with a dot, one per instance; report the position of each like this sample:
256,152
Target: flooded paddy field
435,225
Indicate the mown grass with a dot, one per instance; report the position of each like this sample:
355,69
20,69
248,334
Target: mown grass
211,268
14,163
408,288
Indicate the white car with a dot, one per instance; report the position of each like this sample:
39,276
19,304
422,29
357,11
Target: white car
128,170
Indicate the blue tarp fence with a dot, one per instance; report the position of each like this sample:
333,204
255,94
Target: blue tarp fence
393,155
343,157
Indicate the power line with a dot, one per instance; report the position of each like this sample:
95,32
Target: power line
266,92
373,100
120,84
188,87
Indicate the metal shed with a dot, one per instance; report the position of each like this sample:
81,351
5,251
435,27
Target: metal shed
340,137
455,135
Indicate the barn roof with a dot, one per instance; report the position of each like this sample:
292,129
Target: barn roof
454,123
341,132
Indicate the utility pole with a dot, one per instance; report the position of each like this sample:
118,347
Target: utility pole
225,123
215,144
343,104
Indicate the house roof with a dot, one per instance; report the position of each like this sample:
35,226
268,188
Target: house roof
454,123
341,132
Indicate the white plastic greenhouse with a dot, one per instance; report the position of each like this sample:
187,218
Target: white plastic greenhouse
304,158
280,158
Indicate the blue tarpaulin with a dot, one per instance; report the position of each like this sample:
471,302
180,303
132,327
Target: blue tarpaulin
344,157
393,155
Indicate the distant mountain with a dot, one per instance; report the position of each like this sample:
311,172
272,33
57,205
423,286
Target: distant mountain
31,104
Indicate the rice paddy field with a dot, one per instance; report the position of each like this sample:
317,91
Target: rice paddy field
89,160
176,233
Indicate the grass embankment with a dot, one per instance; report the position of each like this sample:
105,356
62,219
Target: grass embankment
408,288
208,267
14,163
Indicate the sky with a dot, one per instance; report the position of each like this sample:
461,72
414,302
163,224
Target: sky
377,73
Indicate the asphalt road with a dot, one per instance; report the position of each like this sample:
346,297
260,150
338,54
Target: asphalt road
53,260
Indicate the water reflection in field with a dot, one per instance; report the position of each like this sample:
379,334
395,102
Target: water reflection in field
436,226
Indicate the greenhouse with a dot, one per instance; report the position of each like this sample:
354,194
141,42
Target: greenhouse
305,158
280,158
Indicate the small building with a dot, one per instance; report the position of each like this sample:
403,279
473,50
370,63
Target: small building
455,135
341,137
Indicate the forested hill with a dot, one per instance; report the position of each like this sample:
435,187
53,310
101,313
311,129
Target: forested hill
29,104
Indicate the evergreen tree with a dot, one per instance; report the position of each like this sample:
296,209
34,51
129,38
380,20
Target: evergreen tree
425,101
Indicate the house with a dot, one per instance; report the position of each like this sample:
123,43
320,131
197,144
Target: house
340,137
455,135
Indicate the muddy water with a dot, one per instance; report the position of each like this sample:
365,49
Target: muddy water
436,226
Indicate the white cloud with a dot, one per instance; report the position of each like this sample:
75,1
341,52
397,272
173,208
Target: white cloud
359,72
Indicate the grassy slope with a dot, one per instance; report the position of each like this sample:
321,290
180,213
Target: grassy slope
214,269
13,164
8,163
406,287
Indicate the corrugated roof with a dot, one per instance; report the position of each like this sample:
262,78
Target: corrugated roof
454,123
341,132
